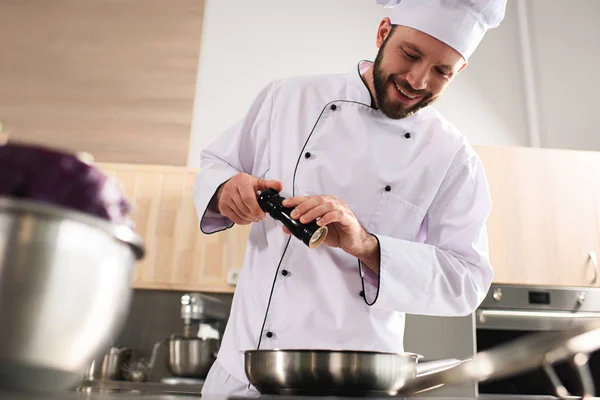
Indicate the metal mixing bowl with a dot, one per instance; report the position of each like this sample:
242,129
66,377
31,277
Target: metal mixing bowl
191,357
65,291
329,373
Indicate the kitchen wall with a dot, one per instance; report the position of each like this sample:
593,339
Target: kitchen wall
566,50
247,44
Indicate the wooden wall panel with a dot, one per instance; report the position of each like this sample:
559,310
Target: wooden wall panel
115,78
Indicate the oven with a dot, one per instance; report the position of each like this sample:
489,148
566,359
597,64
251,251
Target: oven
511,311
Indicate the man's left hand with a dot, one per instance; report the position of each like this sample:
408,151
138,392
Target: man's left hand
345,231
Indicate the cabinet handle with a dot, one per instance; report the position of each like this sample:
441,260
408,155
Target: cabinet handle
594,259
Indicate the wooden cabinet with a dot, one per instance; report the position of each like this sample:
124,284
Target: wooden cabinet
178,255
544,224
545,216
116,78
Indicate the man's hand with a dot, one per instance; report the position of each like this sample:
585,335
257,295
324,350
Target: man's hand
345,231
236,198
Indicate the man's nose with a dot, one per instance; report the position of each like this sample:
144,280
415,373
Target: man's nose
417,78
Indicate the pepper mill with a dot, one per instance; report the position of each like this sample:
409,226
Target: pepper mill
311,234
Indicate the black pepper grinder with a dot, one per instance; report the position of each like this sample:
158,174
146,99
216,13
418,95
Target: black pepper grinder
311,234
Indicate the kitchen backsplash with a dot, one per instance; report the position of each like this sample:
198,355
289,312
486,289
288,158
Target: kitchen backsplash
154,315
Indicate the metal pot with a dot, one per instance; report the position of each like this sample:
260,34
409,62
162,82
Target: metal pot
65,291
111,364
191,357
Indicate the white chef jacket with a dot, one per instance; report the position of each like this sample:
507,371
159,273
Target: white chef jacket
415,183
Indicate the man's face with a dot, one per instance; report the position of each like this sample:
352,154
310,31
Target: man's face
412,69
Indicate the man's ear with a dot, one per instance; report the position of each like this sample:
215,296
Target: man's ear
383,30
463,66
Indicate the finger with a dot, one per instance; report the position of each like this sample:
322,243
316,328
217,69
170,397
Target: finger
237,204
294,201
286,230
309,204
262,184
242,200
330,217
233,215
248,196
318,211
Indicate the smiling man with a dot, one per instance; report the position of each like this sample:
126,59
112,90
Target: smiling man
404,196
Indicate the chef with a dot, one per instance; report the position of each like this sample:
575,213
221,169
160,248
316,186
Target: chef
403,195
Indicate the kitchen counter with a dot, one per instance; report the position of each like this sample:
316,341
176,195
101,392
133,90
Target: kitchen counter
140,396
146,388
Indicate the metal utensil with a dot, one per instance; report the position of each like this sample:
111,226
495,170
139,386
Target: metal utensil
329,373
65,291
114,360
191,357
140,370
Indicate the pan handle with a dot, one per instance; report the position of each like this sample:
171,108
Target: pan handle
580,364
431,367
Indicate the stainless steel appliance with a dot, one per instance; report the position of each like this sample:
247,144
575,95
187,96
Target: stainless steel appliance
512,311
192,354
65,290
198,309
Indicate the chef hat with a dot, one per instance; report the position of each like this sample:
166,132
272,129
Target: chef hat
461,24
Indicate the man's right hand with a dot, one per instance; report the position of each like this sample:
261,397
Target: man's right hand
237,198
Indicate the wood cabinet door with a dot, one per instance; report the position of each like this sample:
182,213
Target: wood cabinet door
543,225
205,262
178,255
595,171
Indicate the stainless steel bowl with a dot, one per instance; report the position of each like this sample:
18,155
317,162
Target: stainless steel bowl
191,357
329,373
65,291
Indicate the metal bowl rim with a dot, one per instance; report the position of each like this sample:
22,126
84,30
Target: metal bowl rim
121,232
190,339
325,351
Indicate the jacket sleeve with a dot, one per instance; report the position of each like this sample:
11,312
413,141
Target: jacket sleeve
449,273
244,147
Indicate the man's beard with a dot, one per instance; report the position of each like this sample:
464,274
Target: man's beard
395,109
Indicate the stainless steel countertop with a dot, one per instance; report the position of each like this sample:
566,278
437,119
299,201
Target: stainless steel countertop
147,388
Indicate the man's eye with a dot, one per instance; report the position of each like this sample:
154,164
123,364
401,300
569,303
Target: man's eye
442,72
411,56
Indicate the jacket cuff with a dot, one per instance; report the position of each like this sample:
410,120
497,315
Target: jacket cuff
205,187
371,281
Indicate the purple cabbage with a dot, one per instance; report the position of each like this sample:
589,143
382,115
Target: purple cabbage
43,174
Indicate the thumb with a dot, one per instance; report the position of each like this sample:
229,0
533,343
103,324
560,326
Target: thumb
270,184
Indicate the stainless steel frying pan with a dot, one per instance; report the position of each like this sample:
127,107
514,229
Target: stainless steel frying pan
351,373
325,372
